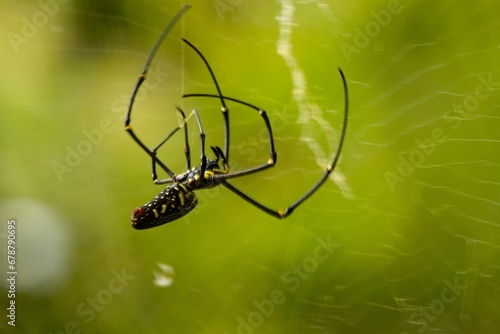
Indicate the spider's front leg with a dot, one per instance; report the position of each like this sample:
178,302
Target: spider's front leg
140,80
224,108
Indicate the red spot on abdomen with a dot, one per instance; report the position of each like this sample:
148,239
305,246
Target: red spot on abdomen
138,212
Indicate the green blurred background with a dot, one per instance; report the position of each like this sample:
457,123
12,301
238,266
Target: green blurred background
404,238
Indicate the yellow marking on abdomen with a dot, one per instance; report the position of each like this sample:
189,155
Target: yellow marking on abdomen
181,198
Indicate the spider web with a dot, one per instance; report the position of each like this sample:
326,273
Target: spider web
439,220
310,113
403,238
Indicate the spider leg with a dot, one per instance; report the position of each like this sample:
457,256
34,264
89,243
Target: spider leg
140,80
225,113
224,109
218,154
272,152
329,168
278,214
203,158
187,151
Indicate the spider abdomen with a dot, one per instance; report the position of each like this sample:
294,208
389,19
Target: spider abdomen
172,203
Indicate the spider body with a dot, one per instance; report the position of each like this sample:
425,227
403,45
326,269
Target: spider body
178,198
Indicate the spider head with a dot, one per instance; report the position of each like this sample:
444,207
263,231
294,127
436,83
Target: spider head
172,203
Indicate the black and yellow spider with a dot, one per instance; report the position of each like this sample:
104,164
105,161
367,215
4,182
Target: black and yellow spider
178,198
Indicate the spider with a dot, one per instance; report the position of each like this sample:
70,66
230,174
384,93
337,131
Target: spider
178,198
